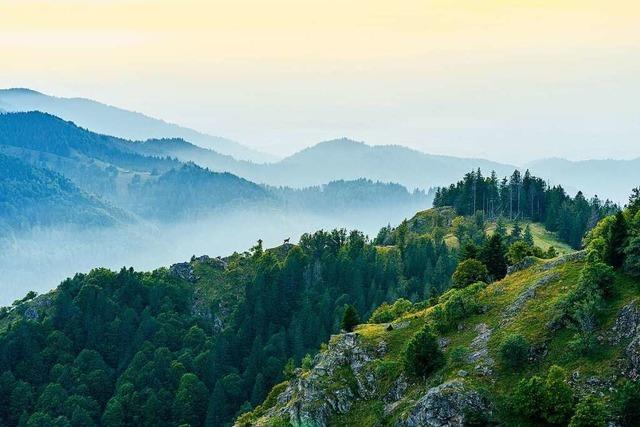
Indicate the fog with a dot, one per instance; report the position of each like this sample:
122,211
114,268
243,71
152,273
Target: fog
41,259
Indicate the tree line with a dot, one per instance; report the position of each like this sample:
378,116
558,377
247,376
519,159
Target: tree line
526,197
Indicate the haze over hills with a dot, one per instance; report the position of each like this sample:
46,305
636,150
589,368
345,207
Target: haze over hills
609,178
339,159
57,214
110,120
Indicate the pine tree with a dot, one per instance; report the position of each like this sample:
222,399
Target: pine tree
492,256
350,319
614,252
527,237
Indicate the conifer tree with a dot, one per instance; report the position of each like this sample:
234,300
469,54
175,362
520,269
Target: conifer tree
350,319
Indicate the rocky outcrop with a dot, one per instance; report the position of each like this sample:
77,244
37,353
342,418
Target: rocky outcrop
184,271
480,352
340,375
573,256
522,265
446,405
627,323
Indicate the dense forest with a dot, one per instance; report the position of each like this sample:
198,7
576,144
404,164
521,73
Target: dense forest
204,341
31,196
132,348
526,197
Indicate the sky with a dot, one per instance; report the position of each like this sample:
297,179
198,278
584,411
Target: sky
501,79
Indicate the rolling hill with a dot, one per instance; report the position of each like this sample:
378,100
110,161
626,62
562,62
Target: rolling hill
109,120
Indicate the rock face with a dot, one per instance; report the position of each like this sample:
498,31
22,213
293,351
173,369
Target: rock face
446,405
574,256
184,271
480,351
627,323
522,265
311,399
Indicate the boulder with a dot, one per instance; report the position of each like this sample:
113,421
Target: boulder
446,405
184,271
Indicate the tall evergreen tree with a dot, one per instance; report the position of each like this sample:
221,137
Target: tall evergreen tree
350,318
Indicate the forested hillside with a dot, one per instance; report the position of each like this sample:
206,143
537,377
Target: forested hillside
205,340
31,196
556,342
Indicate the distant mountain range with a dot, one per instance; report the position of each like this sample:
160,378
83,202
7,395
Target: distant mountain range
139,178
106,119
339,159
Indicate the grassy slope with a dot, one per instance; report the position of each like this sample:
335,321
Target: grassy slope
530,322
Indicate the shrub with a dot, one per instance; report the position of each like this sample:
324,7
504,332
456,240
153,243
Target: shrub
518,251
456,305
590,412
548,401
468,272
422,356
514,351
388,312
627,404
458,356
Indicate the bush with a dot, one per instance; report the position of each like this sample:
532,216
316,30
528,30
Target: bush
388,312
514,351
458,356
590,412
548,401
422,356
456,305
627,404
468,272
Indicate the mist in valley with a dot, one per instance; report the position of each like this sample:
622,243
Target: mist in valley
40,259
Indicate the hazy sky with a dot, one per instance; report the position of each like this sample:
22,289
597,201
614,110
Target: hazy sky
507,80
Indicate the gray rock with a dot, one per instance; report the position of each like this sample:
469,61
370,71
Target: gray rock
574,256
309,400
627,323
184,271
446,405
522,265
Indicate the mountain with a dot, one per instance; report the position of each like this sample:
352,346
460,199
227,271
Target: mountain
109,120
555,342
346,159
359,378
145,178
204,340
35,197
608,178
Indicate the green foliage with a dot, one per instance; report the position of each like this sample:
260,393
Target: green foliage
615,242
524,197
514,351
388,312
627,404
469,271
632,256
422,356
590,412
456,305
547,400
493,256
350,319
